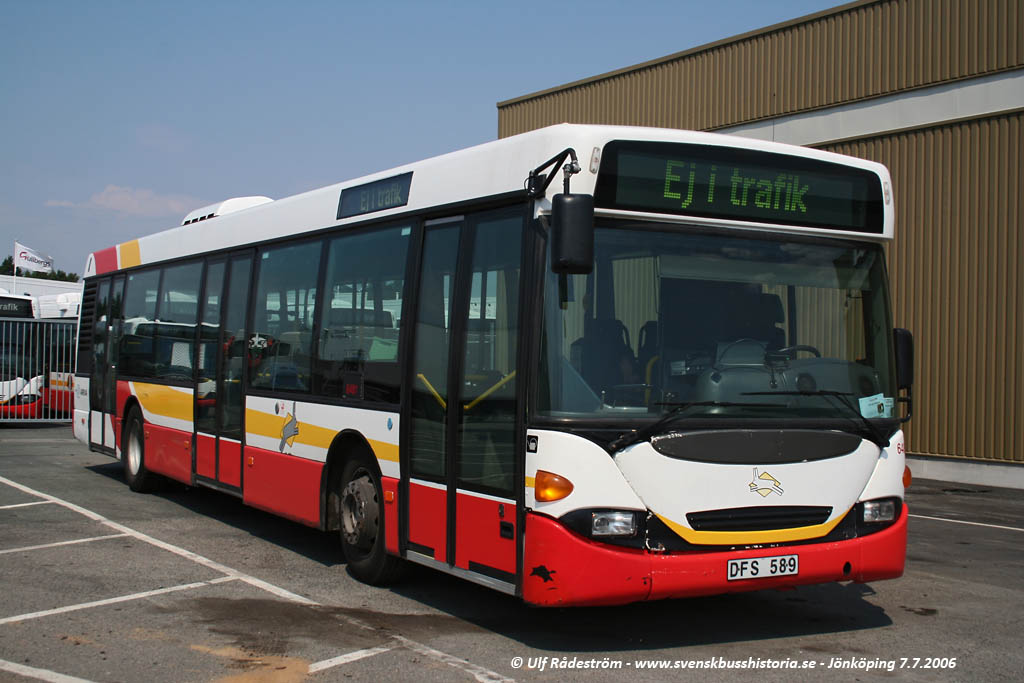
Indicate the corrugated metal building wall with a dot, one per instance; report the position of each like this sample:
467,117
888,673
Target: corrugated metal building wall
957,263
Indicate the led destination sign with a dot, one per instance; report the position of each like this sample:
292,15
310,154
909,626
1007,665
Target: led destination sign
738,184
376,196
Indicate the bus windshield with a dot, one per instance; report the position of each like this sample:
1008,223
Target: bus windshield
742,325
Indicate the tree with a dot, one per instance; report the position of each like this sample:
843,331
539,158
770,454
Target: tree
7,268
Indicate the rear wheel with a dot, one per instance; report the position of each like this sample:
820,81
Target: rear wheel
133,455
361,524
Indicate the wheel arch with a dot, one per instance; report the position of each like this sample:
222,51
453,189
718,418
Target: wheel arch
131,403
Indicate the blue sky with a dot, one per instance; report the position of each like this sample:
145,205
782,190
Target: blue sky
118,118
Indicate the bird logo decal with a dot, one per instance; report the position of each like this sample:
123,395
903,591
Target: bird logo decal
765,484
291,426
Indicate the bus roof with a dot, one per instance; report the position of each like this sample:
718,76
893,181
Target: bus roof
487,170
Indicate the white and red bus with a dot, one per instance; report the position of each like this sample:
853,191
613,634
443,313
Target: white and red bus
677,377
37,356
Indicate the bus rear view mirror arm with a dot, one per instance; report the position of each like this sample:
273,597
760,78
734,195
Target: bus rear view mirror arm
572,216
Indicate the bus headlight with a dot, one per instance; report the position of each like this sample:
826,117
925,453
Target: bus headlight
879,511
613,523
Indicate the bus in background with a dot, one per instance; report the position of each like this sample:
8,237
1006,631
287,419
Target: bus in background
37,339
583,365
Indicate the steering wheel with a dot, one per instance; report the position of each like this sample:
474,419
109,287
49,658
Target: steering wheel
793,350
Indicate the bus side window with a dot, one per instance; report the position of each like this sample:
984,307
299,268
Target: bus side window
358,345
136,343
176,322
281,340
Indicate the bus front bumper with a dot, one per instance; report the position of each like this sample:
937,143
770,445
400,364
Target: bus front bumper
562,568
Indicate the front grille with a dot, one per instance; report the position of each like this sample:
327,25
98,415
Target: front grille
763,518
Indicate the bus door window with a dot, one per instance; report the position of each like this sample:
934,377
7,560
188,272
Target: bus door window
281,344
116,329
233,348
206,352
430,399
486,459
98,378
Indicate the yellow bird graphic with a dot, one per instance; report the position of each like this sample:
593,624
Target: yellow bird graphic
765,484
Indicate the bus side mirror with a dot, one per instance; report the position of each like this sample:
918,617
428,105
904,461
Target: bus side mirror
572,234
904,342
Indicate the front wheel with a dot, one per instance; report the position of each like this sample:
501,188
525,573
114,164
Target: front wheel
361,522
133,455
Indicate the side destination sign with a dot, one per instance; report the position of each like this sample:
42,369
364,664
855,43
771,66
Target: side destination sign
15,308
738,184
376,196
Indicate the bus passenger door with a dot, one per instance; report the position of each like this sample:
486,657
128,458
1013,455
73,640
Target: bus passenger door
103,377
98,377
220,368
426,469
462,508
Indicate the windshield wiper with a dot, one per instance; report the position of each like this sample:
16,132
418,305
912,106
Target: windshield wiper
644,433
842,398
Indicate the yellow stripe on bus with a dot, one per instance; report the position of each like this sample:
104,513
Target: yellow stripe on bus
264,424
130,254
164,401
802,533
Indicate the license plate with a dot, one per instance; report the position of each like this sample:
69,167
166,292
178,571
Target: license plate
763,567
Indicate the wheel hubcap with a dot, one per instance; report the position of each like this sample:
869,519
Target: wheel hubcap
359,512
134,452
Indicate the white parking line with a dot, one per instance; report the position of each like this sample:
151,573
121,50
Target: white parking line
113,601
349,658
478,672
181,552
55,545
38,674
960,521
25,505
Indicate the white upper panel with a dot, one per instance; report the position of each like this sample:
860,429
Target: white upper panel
489,169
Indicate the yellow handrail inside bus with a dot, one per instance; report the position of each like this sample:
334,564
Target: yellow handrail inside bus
500,383
647,377
430,386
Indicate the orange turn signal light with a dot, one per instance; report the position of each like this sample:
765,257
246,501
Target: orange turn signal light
548,486
907,478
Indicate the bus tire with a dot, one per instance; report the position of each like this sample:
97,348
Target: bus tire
133,455
361,524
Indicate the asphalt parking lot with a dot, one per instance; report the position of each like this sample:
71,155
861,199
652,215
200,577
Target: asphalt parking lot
100,584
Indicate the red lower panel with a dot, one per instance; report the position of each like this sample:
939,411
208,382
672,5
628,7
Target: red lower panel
871,558
428,514
206,456
478,533
562,568
229,463
169,452
282,484
24,411
57,400
390,486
